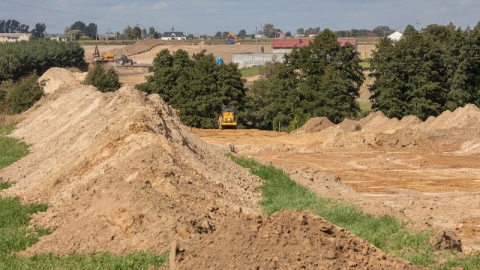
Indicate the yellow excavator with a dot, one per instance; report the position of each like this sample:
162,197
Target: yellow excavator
107,57
228,119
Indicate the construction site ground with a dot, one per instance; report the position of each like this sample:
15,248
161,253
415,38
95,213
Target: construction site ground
122,174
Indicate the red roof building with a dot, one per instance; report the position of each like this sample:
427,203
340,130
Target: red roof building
286,46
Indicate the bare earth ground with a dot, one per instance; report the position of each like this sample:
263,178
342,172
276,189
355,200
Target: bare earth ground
121,173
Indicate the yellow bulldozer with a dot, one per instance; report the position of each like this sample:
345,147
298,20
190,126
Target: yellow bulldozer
228,119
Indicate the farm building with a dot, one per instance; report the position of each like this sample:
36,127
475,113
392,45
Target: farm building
14,37
286,46
396,36
57,37
173,36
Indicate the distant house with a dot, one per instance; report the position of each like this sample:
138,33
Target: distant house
173,36
107,36
396,36
14,37
371,35
286,46
57,37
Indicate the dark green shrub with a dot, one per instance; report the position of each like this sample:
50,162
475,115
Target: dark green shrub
22,58
23,94
103,80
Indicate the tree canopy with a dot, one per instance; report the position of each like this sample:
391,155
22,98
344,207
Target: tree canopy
22,58
197,85
426,72
321,79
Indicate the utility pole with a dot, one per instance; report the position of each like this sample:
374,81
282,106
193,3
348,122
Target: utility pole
256,34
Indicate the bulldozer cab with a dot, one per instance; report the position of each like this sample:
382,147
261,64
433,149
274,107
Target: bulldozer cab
228,108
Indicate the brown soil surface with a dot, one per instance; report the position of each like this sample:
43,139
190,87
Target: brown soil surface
121,174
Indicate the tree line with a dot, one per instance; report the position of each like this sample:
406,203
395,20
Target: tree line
427,72
22,58
14,26
270,31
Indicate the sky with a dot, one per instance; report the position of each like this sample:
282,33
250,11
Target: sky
200,17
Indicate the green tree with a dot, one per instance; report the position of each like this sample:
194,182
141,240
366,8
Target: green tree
136,33
272,98
104,81
383,31
78,25
39,30
312,31
242,33
330,77
409,31
152,33
23,94
91,31
127,33
196,86
270,31
426,72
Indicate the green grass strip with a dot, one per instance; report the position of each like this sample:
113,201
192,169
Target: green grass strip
250,71
385,232
139,260
11,149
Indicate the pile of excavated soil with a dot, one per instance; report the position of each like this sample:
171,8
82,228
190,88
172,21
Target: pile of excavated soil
122,174
54,78
315,124
450,131
286,240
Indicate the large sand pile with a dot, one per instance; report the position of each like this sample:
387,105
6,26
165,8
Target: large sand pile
55,78
450,131
122,174
119,170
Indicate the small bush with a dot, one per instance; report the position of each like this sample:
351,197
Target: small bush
105,81
19,97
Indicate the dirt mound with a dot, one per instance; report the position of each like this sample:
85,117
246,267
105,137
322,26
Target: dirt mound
286,240
137,48
315,124
450,131
54,78
118,170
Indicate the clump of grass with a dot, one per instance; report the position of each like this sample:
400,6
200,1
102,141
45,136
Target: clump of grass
250,71
385,232
15,234
11,149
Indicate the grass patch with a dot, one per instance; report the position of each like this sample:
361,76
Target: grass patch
15,234
139,260
11,149
365,107
250,71
365,64
385,232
